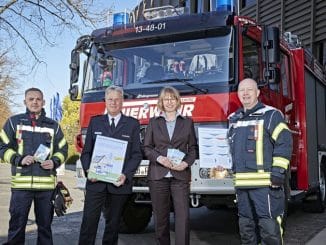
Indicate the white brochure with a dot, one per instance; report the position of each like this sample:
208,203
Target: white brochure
214,148
175,156
108,158
41,153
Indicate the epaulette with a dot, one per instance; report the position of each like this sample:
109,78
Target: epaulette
262,111
256,114
234,117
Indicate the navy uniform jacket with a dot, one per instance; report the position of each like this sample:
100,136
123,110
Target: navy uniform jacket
128,129
261,145
20,137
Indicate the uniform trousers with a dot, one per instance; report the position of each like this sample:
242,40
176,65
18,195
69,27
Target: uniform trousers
20,204
94,204
260,215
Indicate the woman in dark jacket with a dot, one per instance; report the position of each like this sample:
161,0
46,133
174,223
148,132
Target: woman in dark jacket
170,145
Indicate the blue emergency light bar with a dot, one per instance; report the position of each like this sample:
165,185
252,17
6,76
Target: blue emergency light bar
121,18
224,5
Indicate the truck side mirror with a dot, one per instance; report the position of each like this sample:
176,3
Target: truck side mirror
73,91
74,66
271,45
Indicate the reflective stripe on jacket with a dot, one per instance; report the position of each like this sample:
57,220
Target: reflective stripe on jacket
19,138
259,141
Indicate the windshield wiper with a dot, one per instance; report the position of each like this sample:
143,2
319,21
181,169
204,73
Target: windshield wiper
127,95
180,80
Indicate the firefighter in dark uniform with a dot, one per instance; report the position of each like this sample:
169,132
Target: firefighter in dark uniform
33,175
261,148
114,195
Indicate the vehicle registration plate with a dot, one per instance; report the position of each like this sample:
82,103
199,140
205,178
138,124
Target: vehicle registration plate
141,171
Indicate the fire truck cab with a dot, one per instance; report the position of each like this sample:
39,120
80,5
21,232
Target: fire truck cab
205,55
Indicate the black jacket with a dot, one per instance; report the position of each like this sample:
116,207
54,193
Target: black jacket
128,129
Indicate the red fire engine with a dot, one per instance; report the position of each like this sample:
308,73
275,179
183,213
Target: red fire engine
204,56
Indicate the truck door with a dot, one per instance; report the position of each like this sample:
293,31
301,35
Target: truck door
287,98
279,95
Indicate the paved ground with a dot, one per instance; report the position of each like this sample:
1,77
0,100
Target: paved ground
64,232
66,228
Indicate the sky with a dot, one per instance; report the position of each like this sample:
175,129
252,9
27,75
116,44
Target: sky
55,76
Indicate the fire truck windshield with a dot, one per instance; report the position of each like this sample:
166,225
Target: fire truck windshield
202,64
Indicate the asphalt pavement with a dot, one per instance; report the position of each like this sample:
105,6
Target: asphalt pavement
66,229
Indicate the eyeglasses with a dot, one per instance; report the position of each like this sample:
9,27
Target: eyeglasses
115,101
169,100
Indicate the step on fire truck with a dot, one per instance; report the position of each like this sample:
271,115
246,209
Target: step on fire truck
205,55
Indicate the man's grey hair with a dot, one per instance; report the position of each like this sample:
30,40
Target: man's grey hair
113,88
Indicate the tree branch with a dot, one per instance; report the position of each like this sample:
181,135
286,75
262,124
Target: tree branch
23,38
47,10
41,30
6,6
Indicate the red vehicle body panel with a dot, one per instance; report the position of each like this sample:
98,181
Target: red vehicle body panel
302,154
202,108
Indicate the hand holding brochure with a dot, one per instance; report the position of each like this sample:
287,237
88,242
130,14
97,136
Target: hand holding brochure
41,153
214,148
107,159
175,156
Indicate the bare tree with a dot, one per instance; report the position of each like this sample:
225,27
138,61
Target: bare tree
35,23
28,27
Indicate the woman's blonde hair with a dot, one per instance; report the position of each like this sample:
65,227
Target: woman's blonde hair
174,94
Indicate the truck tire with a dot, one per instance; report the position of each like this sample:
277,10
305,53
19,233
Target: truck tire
318,204
135,217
